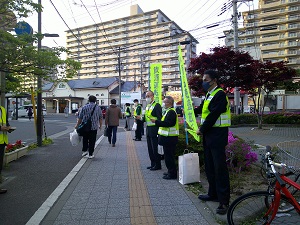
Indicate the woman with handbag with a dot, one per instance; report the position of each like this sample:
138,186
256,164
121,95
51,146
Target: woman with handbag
90,118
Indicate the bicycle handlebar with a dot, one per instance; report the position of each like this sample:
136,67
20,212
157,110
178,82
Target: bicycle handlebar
272,164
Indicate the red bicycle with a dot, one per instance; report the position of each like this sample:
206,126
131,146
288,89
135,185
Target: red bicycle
278,205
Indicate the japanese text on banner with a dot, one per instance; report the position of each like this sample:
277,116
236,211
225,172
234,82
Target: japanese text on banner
156,81
189,114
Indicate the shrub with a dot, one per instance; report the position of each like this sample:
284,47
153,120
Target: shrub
238,154
270,118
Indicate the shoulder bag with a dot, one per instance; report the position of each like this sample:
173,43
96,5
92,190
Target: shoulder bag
86,126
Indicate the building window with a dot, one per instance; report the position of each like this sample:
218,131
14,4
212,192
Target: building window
62,86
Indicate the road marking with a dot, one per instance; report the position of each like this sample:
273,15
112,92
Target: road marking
46,206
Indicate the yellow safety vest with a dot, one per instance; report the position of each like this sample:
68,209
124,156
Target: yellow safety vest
169,131
126,112
224,119
148,112
3,134
135,113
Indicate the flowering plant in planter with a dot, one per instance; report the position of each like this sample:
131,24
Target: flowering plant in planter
239,154
13,147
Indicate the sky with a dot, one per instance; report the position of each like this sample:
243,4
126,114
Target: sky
191,15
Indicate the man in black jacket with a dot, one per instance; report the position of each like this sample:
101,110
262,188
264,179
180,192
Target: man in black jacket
168,136
153,111
215,121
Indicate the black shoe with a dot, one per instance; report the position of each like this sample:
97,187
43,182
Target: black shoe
222,209
207,198
166,173
138,140
155,168
169,177
3,191
149,167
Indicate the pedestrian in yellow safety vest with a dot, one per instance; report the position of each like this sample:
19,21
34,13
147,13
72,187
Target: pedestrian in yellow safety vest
168,133
4,128
153,111
215,121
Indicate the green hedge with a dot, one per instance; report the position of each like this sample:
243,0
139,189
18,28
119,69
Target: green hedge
271,118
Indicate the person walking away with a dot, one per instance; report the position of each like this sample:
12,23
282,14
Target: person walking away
29,113
138,118
215,121
168,133
153,111
127,115
112,117
92,111
66,111
4,129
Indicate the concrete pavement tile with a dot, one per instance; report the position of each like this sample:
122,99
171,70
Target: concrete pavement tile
93,222
119,194
123,221
75,202
66,222
161,211
194,219
103,202
168,220
186,210
160,201
69,215
94,214
118,212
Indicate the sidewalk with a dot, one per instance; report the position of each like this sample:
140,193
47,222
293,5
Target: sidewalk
116,188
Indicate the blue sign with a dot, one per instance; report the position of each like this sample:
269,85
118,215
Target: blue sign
23,28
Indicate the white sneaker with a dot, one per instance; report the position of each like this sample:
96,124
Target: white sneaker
84,153
91,156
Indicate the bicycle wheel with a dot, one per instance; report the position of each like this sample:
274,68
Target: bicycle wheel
249,209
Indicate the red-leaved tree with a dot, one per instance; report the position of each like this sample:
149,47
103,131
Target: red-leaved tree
239,69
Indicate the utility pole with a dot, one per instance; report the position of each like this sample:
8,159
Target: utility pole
142,65
119,69
2,90
39,85
236,47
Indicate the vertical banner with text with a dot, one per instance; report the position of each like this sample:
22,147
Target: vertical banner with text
156,81
189,114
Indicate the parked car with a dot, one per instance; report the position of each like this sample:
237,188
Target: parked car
22,111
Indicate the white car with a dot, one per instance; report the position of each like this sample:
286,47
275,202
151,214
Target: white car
22,111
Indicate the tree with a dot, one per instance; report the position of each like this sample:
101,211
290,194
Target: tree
233,66
267,77
238,69
19,56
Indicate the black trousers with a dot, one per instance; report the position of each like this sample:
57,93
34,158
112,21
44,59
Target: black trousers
2,149
152,143
217,172
169,153
88,141
139,127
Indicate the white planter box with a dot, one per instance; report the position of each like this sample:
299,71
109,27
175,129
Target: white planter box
11,156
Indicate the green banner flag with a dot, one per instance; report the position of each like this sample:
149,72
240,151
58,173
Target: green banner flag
189,114
156,81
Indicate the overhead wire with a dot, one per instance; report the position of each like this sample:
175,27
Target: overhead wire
69,27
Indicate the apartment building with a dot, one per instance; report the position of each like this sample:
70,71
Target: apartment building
272,32
137,41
